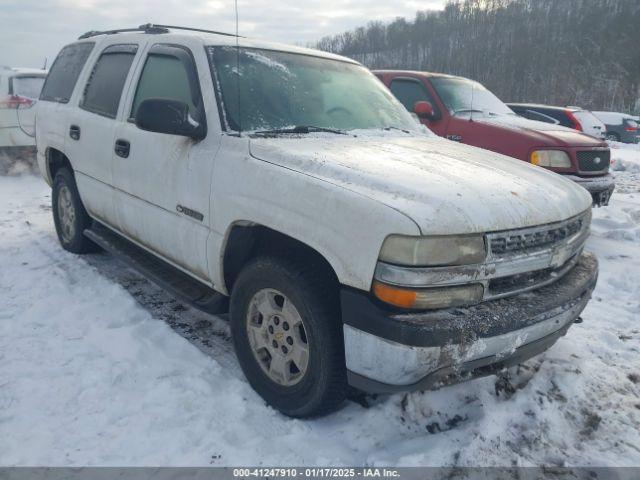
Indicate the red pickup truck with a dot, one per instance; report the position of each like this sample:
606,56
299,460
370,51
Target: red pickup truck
465,111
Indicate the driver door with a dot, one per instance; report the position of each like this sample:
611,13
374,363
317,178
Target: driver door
409,91
163,181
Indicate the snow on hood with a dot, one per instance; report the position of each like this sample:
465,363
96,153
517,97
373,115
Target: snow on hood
445,187
544,132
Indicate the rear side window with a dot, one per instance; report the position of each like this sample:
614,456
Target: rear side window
540,117
168,73
409,92
558,115
26,86
64,72
104,87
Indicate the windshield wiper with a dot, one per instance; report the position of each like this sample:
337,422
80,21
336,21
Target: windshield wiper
299,129
396,128
467,110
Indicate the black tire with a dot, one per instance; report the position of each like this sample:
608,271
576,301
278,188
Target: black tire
613,137
323,386
75,242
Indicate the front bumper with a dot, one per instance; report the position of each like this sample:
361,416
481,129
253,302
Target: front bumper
601,188
388,351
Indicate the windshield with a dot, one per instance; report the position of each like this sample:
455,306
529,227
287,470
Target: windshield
281,90
27,86
461,95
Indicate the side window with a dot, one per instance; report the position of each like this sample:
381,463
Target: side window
169,73
541,117
409,92
64,72
104,87
559,116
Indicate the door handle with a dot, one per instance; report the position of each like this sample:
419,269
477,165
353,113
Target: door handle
122,148
74,132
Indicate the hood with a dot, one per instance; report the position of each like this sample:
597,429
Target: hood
445,187
543,134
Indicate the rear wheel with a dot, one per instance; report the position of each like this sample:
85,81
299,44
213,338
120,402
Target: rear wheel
287,333
69,215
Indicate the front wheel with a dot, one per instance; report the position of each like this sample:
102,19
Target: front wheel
288,337
69,215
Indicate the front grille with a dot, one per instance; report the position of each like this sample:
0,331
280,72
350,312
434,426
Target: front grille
528,280
535,239
593,160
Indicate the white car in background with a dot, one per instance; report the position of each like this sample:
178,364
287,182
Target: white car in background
19,90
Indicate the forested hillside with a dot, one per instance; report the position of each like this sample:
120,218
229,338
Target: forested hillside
564,52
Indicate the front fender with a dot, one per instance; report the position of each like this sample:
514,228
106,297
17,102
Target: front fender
345,227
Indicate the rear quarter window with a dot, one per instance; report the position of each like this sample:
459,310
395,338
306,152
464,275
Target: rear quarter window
64,72
560,116
27,86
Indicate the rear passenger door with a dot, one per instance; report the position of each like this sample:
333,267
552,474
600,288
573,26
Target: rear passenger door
90,129
163,181
54,104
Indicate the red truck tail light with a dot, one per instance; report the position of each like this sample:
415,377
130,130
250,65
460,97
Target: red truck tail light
572,118
15,102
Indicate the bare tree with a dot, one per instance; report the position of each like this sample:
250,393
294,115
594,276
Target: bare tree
577,52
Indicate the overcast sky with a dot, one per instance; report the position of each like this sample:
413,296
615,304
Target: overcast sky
32,30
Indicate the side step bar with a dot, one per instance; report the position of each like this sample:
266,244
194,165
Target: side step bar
166,276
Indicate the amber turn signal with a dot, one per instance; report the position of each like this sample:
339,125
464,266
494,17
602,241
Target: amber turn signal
429,298
395,296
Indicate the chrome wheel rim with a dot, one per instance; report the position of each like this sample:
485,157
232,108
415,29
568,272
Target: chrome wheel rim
66,214
277,337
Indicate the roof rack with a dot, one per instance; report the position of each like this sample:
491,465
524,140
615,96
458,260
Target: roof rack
148,28
175,27
151,28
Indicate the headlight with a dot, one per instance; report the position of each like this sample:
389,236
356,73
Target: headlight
551,158
429,298
449,250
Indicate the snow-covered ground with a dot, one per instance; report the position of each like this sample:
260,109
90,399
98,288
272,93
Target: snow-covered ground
626,158
99,367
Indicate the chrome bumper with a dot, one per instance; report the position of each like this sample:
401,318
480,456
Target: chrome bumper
390,351
601,188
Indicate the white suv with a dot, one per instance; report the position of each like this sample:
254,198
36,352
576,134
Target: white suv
19,90
351,245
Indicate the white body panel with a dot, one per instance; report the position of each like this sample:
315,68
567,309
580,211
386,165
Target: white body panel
340,195
17,127
591,125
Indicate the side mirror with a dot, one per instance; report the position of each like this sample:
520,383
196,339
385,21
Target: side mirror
168,116
424,110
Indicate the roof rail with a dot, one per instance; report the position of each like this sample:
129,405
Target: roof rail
151,28
175,27
148,28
